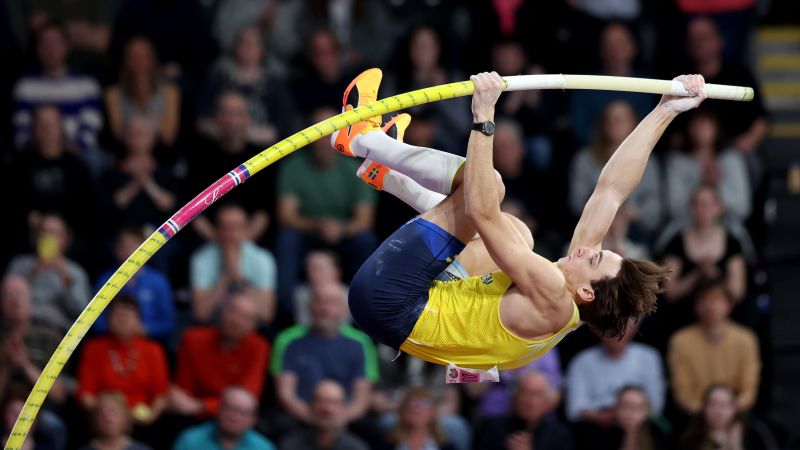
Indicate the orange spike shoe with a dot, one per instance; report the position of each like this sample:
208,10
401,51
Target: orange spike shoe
361,91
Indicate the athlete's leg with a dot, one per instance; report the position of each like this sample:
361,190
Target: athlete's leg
399,185
432,169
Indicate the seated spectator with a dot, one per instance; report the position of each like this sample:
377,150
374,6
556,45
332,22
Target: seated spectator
243,71
213,358
618,240
634,427
25,347
328,418
744,123
422,64
718,424
615,123
532,109
231,264
418,427
126,362
703,249
522,180
143,92
325,76
149,287
703,159
714,350
531,424
59,286
322,267
47,432
618,50
87,24
496,399
113,423
76,96
225,149
49,177
634,417
232,428
325,350
321,204
139,189
595,376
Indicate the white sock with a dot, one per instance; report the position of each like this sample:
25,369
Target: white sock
432,169
410,192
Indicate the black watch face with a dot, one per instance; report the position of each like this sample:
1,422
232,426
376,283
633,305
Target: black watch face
488,128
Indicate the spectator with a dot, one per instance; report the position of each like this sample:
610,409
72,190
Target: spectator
142,91
47,432
322,267
355,26
719,425
213,358
618,240
126,362
735,20
618,50
634,428
326,76
232,428
522,181
224,150
326,350
616,122
703,159
633,416
714,350
532,109
243,71
321,204
595,376
76,96
328,417
149,287
418,427
496,399
51,178
422,64
59,286
232,264
139,188
531,425
745,123
703,249
177,29
112,424
87,24
26,346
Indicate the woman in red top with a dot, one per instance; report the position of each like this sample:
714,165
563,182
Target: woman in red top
127,362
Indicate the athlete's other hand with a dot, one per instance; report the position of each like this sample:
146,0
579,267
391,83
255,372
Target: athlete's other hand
488,87
695,84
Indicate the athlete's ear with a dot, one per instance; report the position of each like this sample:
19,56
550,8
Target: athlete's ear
586,293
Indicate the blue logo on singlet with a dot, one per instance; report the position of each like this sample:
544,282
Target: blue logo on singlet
487,279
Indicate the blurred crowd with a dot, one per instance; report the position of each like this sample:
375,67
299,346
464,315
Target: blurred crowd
237,333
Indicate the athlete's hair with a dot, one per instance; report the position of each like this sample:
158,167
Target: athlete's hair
629,295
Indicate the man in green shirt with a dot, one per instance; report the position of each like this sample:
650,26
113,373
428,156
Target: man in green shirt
321,204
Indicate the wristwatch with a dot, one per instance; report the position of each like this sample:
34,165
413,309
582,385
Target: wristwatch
486,128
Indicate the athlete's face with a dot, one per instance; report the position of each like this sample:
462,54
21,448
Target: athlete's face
586,265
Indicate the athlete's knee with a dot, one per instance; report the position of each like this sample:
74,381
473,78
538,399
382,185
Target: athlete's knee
501,187
522,229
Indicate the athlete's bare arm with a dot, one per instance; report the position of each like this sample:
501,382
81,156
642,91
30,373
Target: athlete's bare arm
624,169
533,275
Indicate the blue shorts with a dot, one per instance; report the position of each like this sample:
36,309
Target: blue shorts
390,290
